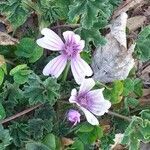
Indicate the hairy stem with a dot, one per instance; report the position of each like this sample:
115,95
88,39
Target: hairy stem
119,116
66,72
9,62
66,26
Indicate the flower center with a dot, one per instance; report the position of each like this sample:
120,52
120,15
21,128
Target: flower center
70,49
83,101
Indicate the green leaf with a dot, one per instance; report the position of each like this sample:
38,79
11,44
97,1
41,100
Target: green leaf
88,133
143,44
128,87
5,138
114,94
89,11
91,35
145,114
130,102
20,73
77,145
38,91
36,128
85,127
36,146
1,76
47,11
138,87
86,55
10,96
138,130
107,140
14,12
2,112
28,49
17,68
50,141
19,132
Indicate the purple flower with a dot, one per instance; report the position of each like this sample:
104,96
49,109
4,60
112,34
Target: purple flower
90,102
73,116
69,51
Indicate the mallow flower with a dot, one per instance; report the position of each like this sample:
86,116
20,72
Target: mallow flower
73,116
69,50
91,102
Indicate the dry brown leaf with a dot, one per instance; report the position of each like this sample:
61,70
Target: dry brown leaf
66,141
9,27
146,92
129,4
135,22
113,61
145,74
6,39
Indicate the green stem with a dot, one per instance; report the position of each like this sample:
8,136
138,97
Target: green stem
119,116
66,72
101,84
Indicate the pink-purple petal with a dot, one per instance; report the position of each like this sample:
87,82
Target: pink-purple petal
73,96
50,40
80,69
81,45
51,35
68,36
56,66
86,85
90,117
98,105
84,65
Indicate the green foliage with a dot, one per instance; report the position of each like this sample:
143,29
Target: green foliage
3,69
5,138
50,141
36,146
27,48
20,73
132,85
2,73
91,35
14,11
114,94
130,102
89,11
37,127
19,133
138,130
10,96
145,114
106,141
88,134
2,112
143,44
38,91
77,145
48,11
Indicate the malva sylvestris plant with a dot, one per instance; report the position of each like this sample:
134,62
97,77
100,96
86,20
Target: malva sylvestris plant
69,52
90,102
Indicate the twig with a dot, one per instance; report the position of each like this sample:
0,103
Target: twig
66,26
9,62
119,116
58,29
20,114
